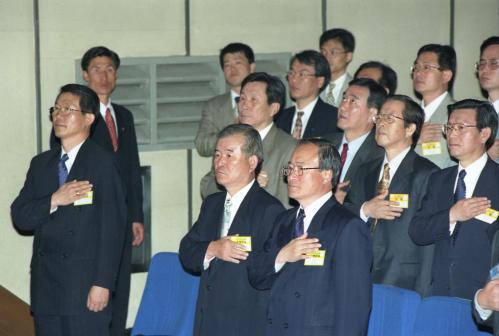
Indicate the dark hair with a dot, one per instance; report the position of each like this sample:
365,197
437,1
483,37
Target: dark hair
446,56
493,40
252,141
237,47
275,89
377,94
89,101
317,60
413,114
388,78
329,158
485,116
99,52
345,37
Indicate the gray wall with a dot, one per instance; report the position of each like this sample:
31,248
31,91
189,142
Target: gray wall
387,30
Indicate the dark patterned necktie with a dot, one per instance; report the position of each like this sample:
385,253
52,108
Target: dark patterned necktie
62,169
299,223
459,194
112,129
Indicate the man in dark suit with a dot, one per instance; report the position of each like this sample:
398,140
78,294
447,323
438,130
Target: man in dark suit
317,261
114,130
262,97
486,301
389,208
237,61
360,104
74,202
310,117
454,215
230,225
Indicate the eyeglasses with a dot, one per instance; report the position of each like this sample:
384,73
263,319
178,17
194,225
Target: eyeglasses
425,68
298,170
388,118
492,63
333,52
62,110
448,128
301,75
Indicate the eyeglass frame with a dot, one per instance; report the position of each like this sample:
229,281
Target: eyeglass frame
458,128
63,111
493,64
302,75
425,68
288,170
389,118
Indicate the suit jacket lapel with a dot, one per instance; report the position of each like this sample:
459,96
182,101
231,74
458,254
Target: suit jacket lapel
400,180
365,150
318,220
313,120
78,168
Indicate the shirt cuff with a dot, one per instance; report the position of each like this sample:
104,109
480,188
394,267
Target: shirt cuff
278,266
482,312
53,210
362,214
206,262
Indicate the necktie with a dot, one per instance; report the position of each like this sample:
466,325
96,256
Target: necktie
112,129
235,110
62,169
382,186
226,218
298,125
459,194
343,157
299,226
329,95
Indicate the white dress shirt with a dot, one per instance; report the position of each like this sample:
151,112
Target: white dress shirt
103,108
430,109
307,112
263,133
394,165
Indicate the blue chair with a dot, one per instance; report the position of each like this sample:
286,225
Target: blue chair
393,311
442,316
169,299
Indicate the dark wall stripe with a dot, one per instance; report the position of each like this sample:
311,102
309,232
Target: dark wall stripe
38,114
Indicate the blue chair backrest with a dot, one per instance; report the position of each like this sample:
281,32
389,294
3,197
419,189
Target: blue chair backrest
169,299
442,316
393,311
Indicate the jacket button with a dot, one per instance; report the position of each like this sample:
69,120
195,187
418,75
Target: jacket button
64,255
269,321
297,294
208,287
285,325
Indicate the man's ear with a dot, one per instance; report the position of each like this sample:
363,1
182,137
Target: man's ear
349,56
274,108
253,162
447,76
85,76
252,67
409,130
89,119
327,176
485,134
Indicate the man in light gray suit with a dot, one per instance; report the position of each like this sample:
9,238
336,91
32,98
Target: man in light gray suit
262,97
237,61
361,103
433,75
337,45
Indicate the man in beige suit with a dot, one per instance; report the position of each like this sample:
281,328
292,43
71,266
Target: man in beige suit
262,97
433,75
237,61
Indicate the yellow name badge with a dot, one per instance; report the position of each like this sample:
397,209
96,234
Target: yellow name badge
431,148
88,199
243,240
315,258
401,199
490,216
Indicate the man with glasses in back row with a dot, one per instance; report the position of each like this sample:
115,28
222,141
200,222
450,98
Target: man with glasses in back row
310,116
433,76
459,211
487,69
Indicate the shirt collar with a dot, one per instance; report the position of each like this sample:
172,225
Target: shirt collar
395,162
263,133
71,154
104,107
432,107
238,197
312,208
233,96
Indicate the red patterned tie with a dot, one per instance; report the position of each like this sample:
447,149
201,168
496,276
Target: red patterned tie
112,129
343,157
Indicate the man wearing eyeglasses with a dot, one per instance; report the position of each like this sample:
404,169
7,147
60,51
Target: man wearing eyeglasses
74,202
337,45
459,212
230,226
488,74
361,102
317,260
310,116
389,190
433,75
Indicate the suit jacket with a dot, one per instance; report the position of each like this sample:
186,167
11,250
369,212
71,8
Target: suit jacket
334,299
493,320
127,156
322,120
277,149
75,247
397,260
368,151
227,304
460,265
443,160
215,115
337,100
